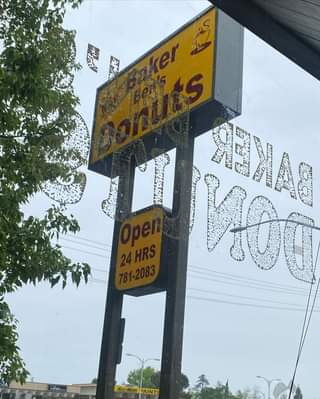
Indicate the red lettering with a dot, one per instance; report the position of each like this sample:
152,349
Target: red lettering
136,97
177,89
156,115
122,135
196,88
165,102
131,82
143,114
143,74
164,60
153,67
173,52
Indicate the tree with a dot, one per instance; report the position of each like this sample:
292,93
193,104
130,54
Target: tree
207,393
148,380
298,394
184,381
244,394
226,389
219,392
202,382
37,113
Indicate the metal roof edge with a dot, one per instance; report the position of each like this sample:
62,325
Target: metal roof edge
268,29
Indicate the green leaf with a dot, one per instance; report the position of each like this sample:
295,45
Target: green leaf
37,112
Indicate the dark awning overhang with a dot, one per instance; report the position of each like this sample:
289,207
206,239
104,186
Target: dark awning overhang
290,26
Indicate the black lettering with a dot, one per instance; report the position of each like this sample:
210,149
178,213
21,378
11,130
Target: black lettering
156,226
138,255
137,274
125,233
152,251
135,234
123,260
146,229
145,253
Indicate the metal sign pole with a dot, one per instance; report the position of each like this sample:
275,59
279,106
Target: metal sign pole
176,290
111,344
213,87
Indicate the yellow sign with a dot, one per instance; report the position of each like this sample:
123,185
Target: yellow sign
139,250
144,391
175,77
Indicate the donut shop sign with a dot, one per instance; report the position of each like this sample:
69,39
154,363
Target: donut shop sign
158,87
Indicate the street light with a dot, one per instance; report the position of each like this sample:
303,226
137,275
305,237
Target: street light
269,382
241,228
248,226
143,362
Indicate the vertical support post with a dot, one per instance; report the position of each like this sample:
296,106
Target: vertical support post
113,309
176,290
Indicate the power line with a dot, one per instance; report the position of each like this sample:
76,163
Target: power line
293,306
236,276
85,252
221,279
239,284
205,271
277,290
87,239
243,297
215,276
311,312
231,279
208,299
245,304
305,329
87,245
98,270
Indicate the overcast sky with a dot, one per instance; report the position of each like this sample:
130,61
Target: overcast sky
225,338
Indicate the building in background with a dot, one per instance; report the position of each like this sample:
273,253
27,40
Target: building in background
39,390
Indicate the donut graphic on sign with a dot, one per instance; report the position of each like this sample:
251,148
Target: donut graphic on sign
201,39
105,138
